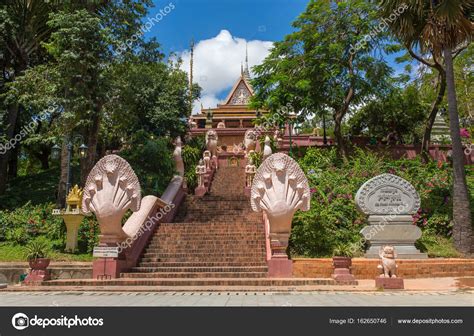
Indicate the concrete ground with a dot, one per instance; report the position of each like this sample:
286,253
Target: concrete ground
418,292
320,298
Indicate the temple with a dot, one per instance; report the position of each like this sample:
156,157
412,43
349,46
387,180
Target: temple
233,117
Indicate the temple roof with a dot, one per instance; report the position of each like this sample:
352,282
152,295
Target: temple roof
240,93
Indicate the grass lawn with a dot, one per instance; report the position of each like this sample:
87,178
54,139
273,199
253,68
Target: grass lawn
12,252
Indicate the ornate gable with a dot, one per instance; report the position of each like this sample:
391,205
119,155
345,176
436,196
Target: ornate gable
240,93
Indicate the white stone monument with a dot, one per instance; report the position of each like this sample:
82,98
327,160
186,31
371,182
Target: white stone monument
390,201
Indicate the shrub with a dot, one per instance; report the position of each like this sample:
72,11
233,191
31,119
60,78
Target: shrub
192,152
37,249
151,159
333,218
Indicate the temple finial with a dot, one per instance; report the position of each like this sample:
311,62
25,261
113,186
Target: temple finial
246,73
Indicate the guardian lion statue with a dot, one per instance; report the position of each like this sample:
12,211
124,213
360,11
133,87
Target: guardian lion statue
211,142
389,266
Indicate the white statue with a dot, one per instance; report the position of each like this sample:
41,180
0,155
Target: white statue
191,123
277,137
389,265
111,189
200,172
250,141
250,171
267,149
279,188
221,124
211,142
207,159
178,159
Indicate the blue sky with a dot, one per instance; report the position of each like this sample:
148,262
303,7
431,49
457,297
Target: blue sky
268,20
222,31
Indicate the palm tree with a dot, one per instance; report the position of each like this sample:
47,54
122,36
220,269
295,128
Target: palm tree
442,27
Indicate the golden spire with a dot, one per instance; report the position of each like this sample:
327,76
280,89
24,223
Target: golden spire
246,73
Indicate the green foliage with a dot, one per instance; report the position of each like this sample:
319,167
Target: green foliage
333,219
437,246
12,252
317,68
257,158
400,114
37,249
30,222
343,250
192,152
151,159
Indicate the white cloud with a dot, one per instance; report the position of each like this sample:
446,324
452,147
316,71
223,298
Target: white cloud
217,64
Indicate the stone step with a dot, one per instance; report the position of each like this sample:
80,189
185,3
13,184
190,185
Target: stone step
187,275
210,224
239,259
183,250
203,254
254,263
155,243
260,282
199,269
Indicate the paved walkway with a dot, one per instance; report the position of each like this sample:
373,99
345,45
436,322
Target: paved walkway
458,298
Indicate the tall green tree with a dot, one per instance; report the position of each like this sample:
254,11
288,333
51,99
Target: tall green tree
398,115
22,30
444,27
329,62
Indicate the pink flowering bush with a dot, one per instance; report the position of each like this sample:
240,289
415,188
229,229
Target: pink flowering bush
333,218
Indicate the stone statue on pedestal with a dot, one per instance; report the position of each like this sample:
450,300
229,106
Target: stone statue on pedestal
200,172
111,189
211,142
390,201
279,189
250,171
267,149
207,160
389,266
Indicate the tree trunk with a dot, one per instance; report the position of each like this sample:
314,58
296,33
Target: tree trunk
12,117
341,145
13,162
43,157
63,175
92,139
425,144
462,230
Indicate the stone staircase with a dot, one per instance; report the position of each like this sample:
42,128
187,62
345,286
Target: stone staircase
216,241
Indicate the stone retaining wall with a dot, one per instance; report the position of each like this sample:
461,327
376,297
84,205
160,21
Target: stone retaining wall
367,268
10,271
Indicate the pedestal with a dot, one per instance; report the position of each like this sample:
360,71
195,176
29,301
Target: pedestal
73,222
106,268
200,191
280,268
395,230
343,275
39,271
247,191
389,283
35,277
